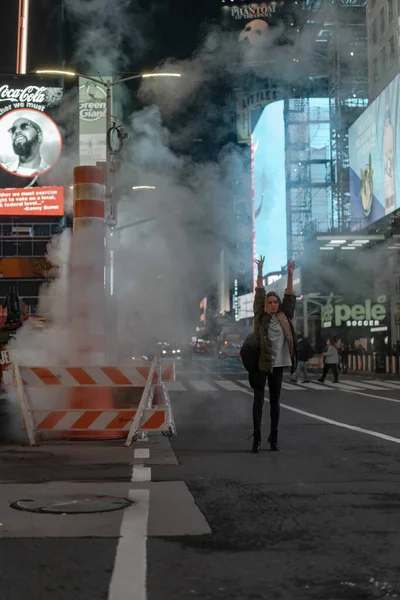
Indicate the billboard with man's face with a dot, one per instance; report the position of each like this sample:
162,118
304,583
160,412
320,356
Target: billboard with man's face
34,139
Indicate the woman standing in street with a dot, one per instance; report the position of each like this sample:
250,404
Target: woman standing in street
274,333
331,359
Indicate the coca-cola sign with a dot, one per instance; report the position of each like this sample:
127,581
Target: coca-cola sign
31,93
38,127
31,96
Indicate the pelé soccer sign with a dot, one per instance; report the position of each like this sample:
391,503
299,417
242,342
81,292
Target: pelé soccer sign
368,314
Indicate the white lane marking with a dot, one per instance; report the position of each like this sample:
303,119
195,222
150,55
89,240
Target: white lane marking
128,581
230,386
141,453
176,386
290,386
382,436
202,386
375,396
141,473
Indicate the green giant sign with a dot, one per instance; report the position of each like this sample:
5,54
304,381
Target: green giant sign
369,314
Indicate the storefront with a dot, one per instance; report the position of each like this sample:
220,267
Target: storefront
360,324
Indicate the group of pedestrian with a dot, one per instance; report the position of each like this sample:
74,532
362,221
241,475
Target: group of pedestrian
272,347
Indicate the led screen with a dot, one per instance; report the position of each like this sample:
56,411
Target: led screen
375,160
269,188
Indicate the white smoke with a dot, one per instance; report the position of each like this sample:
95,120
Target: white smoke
37,345
166,260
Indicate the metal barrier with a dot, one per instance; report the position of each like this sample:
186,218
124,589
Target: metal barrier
374,363
152,413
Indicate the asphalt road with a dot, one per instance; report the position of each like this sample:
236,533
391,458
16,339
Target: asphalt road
318,520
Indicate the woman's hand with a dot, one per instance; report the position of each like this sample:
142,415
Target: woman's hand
260,265
290,267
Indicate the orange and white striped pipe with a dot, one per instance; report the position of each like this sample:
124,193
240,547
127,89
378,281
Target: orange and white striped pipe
87,265
89,196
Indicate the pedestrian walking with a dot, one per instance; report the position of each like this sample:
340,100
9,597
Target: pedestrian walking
304,353
331,358
276,340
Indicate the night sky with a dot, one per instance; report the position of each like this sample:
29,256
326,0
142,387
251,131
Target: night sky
173,26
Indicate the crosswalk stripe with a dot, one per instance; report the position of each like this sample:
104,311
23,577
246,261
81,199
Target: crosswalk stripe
230,386
244,382
363,386
289,386
385,384
202,386
339,386
237,385
313,386
176,386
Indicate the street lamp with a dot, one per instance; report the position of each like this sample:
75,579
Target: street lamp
108,85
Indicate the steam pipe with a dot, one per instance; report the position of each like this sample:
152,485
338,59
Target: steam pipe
22,41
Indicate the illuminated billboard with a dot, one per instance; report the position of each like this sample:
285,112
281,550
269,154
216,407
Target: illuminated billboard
92,121
32,146
249,106
269,188
374,143
254,20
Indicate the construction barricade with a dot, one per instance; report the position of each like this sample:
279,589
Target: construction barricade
153,412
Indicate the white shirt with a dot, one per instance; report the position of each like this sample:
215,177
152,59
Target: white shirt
15,167
280,347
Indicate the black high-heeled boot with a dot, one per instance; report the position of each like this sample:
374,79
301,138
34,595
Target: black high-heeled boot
273,442
256,442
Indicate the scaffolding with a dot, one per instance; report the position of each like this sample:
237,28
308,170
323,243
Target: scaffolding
348,96
330,100
308,167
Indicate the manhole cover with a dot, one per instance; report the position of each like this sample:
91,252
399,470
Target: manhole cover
71,505
12,455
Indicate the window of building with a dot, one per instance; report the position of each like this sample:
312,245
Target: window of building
383,59
390,10
375,31
391,51
382,17
375,71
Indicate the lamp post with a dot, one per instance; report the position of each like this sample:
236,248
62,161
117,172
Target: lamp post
111,220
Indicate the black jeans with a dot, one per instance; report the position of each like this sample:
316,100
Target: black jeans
258,381
334,368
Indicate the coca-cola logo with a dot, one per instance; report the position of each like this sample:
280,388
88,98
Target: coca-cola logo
32,93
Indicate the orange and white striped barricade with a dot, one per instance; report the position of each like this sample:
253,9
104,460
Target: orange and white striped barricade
6,368
158,397
155,417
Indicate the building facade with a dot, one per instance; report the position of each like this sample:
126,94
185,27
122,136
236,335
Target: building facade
383,44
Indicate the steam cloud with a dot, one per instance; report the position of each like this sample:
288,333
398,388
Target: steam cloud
167,259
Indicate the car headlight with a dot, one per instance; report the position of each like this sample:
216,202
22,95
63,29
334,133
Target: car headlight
178,351
173,351
164,352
